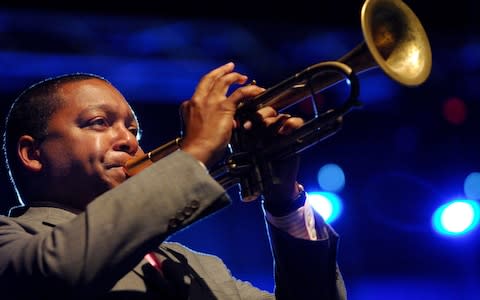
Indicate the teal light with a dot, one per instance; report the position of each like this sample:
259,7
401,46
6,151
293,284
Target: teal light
456,217
328,205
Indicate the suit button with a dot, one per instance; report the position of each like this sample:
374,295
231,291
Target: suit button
194,204
188,211
180,216
173,223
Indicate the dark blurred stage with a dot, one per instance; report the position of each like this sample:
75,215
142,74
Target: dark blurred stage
404,152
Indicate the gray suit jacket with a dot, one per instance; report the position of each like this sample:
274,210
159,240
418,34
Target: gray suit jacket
48,252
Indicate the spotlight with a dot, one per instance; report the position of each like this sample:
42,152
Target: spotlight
456,217
328,205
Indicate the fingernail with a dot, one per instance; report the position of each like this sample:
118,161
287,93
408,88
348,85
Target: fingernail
247,125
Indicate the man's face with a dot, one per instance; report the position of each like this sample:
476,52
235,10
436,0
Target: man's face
89,140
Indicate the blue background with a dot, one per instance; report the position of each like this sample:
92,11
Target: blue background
401,153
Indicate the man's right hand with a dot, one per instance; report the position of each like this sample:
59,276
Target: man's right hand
209,115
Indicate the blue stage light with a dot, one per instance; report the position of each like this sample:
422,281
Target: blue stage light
456,217
471,186
328,205
331,178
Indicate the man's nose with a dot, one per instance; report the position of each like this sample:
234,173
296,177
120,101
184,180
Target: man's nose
125,141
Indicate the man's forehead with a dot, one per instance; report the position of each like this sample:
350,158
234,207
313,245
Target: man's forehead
90,92
84,96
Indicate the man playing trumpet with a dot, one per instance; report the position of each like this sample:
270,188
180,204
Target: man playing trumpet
86,230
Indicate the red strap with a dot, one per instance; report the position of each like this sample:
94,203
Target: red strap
154,261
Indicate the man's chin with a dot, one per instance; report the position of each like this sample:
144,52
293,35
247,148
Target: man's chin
116,177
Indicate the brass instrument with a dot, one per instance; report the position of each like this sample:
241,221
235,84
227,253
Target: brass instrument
394,41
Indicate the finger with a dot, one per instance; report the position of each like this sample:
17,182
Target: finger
222,84
272,122
245,93
267,112
283,124
206,82
290,125
275,123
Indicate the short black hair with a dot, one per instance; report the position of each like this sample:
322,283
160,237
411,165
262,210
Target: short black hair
30,113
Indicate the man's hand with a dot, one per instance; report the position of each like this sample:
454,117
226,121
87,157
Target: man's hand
281,189
209,115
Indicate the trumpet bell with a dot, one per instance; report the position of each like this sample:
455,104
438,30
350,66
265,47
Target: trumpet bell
396,40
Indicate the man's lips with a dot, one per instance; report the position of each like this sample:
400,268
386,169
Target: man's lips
118,170
119,163
116,162
114,165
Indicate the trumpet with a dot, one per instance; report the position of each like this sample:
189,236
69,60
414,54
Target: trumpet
394,41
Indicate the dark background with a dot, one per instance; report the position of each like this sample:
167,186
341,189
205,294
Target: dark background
401,155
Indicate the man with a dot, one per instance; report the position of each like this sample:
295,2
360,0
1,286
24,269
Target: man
87,231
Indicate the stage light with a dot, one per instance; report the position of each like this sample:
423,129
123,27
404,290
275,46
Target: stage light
471,186
454,111
456,217
328,205
331,178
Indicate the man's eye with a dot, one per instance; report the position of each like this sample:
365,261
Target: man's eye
99,122
135,131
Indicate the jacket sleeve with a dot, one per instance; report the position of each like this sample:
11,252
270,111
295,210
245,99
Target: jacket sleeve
89,253
306,269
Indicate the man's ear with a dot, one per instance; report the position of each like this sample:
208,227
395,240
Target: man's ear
29,153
